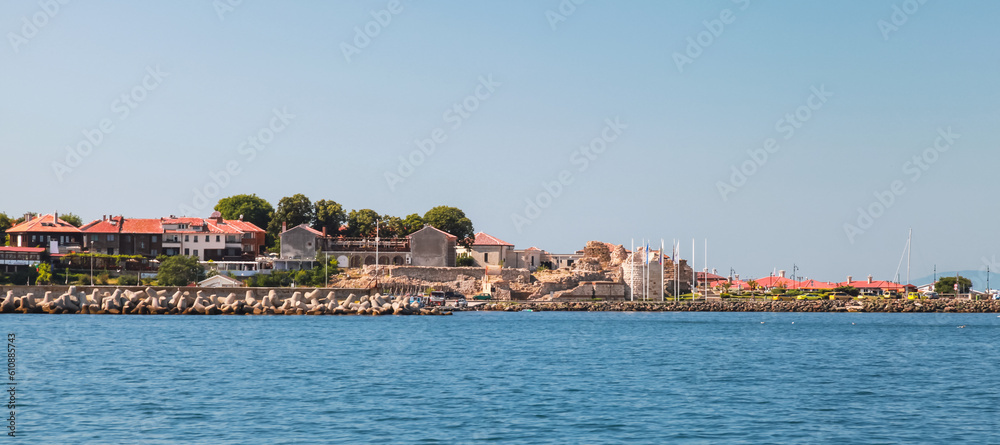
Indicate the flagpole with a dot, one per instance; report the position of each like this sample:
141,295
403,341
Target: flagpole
694,275
645,273
631,274
706,268
662,297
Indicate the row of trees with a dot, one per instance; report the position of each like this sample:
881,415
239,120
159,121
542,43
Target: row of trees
323,214
330,215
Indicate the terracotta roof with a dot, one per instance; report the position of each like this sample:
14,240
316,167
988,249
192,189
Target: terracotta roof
130,225
22,249
244,226
532,248
44,224
813,284
430,227
482,239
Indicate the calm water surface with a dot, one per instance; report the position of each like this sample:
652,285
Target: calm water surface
537,377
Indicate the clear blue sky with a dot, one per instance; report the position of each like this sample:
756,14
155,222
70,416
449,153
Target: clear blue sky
226,71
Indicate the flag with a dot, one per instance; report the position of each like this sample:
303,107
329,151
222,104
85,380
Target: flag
647,252
661,252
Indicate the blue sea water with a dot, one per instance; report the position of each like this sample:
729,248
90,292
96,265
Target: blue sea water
541,377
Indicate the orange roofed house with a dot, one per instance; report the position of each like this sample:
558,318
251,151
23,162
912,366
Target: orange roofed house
43,230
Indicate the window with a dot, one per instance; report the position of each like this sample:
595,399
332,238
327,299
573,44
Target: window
195,238
153,252
154,239
216,238
195,252
532,260
33,239
111,237
486,257
186,238
206,238
93,238
142,244
111,250
187,252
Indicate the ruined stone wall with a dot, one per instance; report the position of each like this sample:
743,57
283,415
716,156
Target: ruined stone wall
444,274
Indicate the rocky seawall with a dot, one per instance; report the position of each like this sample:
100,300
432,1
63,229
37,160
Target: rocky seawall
941,306
152,301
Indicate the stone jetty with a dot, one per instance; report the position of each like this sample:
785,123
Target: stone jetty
943,305
180,302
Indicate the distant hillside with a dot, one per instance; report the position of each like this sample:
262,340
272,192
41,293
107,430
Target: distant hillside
978,278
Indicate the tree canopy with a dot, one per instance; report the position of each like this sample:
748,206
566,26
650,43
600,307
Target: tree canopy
292,210
5,223
361,223
453,221
179,270
946,285
329,215
72,219
254,209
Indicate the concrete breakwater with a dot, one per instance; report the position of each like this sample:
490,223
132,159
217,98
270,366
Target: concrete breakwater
153,301
945,305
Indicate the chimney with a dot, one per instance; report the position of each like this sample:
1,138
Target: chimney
284,226
849,279
869,279
324,231
104,217
781,274
55,217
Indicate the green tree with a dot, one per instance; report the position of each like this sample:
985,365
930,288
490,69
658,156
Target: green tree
329,214
72,219
946,285
453,221
849,290
5,223
411,223
361,223
292,210
44,274
252,208
180,270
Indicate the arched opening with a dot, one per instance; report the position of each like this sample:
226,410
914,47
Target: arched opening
397,260
369,260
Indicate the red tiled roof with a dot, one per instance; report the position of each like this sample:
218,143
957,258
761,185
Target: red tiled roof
709,276
245,226
532,248
22,249
44,224
140,225
482,239
813,284
119,224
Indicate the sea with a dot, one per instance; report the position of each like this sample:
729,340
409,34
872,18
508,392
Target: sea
502,377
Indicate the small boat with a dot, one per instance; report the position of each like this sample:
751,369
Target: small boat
527,310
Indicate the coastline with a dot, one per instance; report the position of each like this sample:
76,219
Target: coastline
886,306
